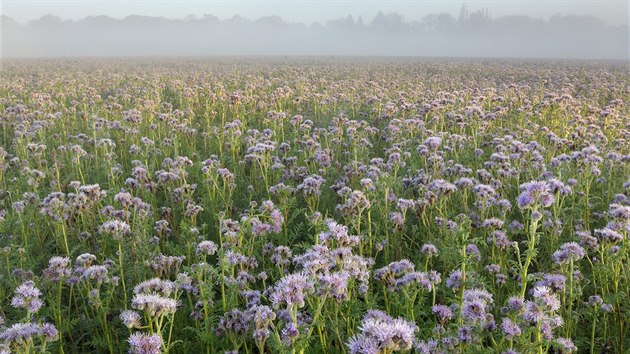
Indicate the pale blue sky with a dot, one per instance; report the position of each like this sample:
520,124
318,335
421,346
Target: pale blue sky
614,12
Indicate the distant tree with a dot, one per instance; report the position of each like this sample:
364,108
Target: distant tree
360,24
479,19
49,19
270,21
346,23
463,14
445,22
430,22
390,22
208,18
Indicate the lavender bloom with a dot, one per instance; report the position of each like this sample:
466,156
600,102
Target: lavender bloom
475,306
19,334
154,305
58,268
311,185
535,193
383,334
429,250
155,285
510,329
443,312
115,228
595,300
465,334
609,234
334,285
515,303
433,142
554,281
98,273
49,331
442,187
454,280
400,274
27,297
428,347
471,249
206,248
569,251
141,343
130,318
292,290
544,296
290,333
337,235
234,321
566,345
494,223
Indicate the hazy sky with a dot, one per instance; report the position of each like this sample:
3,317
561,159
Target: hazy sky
615,12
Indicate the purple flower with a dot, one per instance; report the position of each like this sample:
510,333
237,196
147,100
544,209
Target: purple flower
465,334
130,318
154,305
290,333
155,285
433,142
292,290
20,333
515,303
566,345
49,331
141,343
382,333
334,285
362,344
429,250
509,328
27,297
58,268
570,251
535,193
115,228
471,249
443,312
311,185
544,296
554,281
206,248
454,280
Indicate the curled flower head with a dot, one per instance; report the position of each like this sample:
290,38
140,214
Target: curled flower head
535,193
141,343
292,290
570,251
130,318
27,297
115,228
383,333
154,305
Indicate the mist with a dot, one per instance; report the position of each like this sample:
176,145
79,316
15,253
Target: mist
472,33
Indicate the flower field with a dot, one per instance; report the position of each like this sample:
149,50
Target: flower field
314,205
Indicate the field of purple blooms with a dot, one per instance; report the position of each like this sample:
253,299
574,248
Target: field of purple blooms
320,205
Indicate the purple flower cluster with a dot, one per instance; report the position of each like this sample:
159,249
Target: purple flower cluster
381,333
535,194
27,297
141,343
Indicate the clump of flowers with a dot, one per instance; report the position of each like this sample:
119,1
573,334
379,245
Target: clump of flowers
380,333
27,297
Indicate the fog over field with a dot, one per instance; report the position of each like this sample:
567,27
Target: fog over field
314,176
419,29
